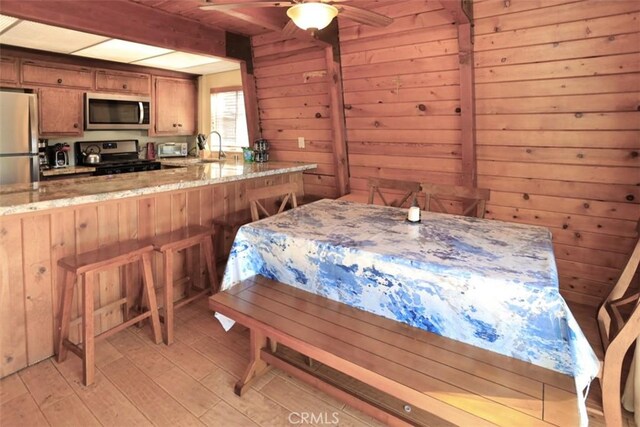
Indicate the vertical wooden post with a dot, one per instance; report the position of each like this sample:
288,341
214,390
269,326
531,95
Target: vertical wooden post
239,47
467,105
336,107
250,103
462,12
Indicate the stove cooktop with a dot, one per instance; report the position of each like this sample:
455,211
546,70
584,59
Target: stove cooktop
114,168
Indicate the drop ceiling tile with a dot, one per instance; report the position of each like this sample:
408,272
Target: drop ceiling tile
46,37
6,21
216,67
121,51
178,61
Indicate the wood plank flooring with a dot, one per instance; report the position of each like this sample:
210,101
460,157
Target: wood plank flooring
191,382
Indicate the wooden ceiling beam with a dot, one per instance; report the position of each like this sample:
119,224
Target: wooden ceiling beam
258,17
124,20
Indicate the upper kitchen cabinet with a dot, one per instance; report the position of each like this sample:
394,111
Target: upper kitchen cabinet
123,82
175,107
60,112
59,75
9,71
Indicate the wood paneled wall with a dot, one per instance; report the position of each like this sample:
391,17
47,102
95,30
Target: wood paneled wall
557,111
293,100
31,245
557,100
401,94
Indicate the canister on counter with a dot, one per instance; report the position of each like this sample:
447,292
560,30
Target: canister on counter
261,150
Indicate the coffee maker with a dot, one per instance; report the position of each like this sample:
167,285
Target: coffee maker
59,155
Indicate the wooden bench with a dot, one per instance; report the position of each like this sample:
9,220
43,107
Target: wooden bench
396,373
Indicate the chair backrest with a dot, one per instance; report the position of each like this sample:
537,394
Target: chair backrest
255,195
410,189
611,324
474,198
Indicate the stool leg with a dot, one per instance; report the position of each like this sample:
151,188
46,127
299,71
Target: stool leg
147,277
65,315
168,297
88,333
209,256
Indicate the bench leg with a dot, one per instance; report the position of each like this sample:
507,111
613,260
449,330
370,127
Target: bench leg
257,366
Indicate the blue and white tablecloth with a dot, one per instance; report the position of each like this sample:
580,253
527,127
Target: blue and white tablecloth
487,283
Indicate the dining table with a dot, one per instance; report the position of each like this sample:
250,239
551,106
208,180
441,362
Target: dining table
488,283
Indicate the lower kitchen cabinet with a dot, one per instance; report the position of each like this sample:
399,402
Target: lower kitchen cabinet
60,112
175,107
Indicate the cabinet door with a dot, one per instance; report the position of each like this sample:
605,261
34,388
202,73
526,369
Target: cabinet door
119,81
60,112
9,71
175,106
60,75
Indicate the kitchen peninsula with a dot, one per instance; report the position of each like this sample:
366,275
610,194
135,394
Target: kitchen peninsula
62,218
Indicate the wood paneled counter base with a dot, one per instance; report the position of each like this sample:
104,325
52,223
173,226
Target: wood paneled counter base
32,243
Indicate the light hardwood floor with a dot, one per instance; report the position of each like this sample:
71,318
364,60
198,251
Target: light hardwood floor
188,383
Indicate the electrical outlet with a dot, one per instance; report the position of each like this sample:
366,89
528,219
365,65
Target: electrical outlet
301,142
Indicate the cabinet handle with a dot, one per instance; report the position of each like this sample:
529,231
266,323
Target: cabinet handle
179,125
59,81
124,86
75,126
175,125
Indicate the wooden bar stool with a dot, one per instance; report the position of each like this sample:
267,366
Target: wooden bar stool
170,243
84,268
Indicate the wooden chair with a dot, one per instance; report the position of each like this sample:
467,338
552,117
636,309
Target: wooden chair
255,195
85,267
473,198
168,245
617,335
410,188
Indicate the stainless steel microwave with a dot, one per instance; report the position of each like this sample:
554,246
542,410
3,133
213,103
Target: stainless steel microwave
106,111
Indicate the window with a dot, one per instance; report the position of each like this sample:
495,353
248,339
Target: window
228,117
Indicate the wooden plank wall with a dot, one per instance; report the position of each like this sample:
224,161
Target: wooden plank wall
557,100
401,94
293,101
31,245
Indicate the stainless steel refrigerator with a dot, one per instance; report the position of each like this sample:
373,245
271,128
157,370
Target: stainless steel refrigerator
18,138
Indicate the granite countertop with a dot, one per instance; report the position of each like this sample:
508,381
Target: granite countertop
69,170
21,198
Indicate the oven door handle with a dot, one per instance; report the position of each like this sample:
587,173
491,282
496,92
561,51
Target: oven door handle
141,112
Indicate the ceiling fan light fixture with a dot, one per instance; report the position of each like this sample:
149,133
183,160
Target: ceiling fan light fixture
312,15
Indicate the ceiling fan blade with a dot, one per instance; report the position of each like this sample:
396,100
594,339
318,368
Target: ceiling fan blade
227,5
363,16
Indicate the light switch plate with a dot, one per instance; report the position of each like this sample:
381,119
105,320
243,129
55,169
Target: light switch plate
301,142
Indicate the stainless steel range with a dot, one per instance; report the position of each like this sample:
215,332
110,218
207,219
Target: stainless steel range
113,157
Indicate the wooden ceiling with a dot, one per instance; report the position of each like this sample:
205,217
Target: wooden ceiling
249,22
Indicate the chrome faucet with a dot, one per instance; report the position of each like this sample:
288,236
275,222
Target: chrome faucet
221,154
202,143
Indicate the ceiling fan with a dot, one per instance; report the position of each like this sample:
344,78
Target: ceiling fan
307,15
